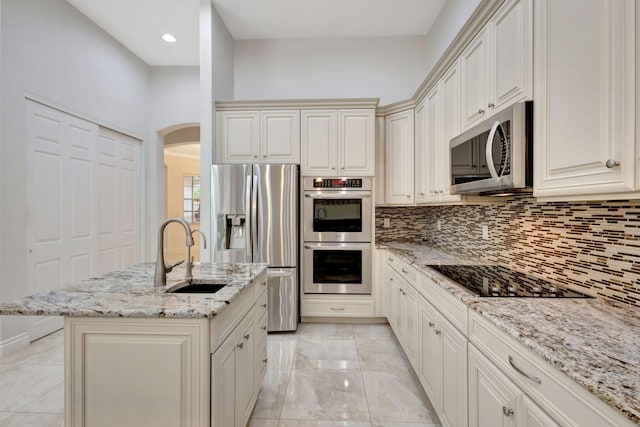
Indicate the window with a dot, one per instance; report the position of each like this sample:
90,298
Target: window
192,198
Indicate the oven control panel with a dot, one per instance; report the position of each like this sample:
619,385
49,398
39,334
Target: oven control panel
337,183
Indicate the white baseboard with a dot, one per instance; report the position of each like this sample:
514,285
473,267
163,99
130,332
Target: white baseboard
14,344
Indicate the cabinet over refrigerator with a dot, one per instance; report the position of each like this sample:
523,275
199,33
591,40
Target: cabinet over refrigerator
255,219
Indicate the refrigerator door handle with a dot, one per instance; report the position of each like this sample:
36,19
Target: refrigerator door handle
254,217
248,218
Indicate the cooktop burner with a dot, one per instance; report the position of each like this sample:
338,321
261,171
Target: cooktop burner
497,281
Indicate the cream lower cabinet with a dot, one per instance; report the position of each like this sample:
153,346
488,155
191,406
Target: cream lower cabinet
443,365
494,400
585,128
403,304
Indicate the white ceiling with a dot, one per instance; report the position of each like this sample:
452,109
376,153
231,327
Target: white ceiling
139,24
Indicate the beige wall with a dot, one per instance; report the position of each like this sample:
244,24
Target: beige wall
176,168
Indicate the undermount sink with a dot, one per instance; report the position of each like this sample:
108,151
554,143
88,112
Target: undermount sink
196,286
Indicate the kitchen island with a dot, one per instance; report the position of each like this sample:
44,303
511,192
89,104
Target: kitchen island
136,355
577,359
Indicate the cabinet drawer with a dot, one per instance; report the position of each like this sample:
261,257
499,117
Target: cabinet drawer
564,399
261,303
403,268
224,324
454,310
261,330
337,308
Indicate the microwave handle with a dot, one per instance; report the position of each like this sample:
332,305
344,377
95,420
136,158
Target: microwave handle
489,150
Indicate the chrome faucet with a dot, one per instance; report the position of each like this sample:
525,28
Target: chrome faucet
161,268
189,257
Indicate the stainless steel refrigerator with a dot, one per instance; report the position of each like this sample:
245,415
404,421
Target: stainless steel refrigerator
255,219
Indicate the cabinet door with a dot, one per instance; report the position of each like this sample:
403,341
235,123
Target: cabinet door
393,282
430,365
491,394
223,384
454,372
528,414
244,389
422,154
399,158
239,133
433,127
473,63
280,136
356,142
319,142
410,313
584,127
511,67
450,94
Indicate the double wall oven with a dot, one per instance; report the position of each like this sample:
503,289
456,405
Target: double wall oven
337,227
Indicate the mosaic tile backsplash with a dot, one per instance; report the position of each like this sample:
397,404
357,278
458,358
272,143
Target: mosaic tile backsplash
593,247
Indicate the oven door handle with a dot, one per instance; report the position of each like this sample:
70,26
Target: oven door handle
337,246
338,195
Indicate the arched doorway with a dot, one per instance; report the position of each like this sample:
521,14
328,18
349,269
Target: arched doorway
182,189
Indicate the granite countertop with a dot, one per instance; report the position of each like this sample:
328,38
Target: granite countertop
130,293
595,343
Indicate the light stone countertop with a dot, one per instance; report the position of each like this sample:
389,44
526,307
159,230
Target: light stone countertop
595,343
130,293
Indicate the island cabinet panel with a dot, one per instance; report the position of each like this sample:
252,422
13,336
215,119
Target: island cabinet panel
132,372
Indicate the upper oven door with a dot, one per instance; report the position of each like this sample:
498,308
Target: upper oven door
337,216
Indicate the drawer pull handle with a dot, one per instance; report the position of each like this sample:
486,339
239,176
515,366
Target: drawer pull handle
241,345
337,308
523,373
431,324
246,337
506,411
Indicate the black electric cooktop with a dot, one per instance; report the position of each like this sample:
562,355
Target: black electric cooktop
498,281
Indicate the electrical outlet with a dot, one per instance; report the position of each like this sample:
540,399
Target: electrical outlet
485,232
439,224
387,223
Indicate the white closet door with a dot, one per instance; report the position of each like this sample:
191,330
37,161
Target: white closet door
65,195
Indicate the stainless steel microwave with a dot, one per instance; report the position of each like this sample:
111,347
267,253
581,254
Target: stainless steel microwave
496,155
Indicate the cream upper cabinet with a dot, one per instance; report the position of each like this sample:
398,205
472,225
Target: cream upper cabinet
280,136
258,136
338,142
497,65
356,142
422,154
475,87
399,158
585,113
441,123
238,136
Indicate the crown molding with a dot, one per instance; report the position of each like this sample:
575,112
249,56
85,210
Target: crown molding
396,107
292,104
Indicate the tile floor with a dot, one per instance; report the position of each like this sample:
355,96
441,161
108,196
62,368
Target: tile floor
325,375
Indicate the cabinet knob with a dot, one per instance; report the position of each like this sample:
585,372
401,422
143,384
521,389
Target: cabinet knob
265,155
246,337
408,196
481,111
506,411
264,360
491,105
431,324
437,331
333,167
264,328
420,194
612,163
241,345
390,259
255,156
264,305
405,271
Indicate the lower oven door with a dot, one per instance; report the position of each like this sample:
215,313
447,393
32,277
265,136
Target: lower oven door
337,268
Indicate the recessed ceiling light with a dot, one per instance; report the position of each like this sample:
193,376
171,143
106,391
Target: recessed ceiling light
169,38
